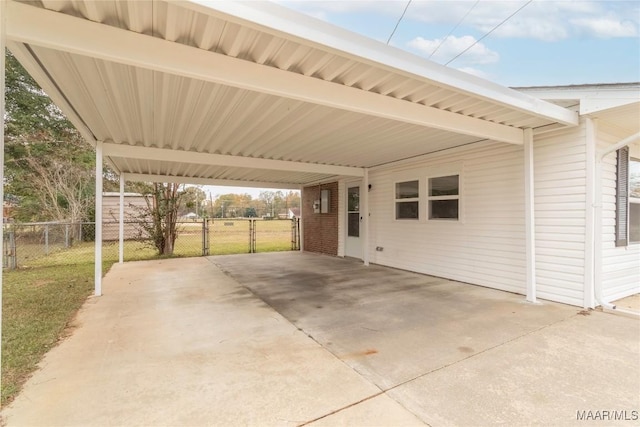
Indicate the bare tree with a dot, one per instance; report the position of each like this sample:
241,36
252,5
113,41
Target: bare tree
65,189
157,221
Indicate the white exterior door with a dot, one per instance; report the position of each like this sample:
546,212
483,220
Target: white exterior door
353,244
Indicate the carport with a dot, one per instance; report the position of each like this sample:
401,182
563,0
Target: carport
253,94
297,338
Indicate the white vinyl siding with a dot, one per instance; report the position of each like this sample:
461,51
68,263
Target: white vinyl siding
620,265
560,214
486,247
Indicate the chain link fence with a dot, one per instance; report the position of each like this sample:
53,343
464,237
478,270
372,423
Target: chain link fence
51,243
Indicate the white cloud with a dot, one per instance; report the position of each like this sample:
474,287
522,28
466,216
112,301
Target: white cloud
452,46
547,20
606,27
553,20
542,20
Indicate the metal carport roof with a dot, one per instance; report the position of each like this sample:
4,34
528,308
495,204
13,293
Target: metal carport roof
251,93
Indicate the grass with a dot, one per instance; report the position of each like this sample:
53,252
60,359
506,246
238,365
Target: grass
41,298
38,304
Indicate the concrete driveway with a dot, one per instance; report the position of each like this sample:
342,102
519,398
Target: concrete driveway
297,338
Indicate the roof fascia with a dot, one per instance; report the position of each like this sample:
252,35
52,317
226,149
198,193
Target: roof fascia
592,98
63,32
284,22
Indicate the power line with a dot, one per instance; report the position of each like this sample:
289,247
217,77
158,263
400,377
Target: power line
398,23
492,30
454,28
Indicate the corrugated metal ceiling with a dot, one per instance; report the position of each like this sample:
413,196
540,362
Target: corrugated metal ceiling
131,105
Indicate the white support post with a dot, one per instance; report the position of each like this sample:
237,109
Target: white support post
301,219
342,216
529,212
98,226
121,222
364,206
590,214
3,10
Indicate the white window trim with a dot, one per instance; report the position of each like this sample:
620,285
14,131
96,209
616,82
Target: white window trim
635,201
631,200
411,199
458,197
422,175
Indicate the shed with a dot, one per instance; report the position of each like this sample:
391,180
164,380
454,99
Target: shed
133,202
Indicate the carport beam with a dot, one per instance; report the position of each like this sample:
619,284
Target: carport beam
121,222
530,232
98,223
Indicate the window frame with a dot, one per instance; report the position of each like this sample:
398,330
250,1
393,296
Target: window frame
623,198
632,200
457,197
397,200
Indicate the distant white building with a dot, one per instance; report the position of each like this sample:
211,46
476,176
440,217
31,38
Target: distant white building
293,213
111,214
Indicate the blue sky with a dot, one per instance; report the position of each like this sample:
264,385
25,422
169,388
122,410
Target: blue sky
546,43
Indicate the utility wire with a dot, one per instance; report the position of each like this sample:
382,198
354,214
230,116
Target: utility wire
492,30
453,29
398,23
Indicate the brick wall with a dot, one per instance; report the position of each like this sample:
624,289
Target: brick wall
320,229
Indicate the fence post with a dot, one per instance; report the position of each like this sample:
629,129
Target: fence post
295,234
66,235
252,236
205,236
12,247
10,259
46,239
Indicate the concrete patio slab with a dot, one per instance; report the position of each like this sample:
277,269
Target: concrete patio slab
389,325
176,342
631,302
377,411
304,339
548,377
452,353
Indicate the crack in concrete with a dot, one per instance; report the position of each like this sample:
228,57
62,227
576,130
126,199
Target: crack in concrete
385,391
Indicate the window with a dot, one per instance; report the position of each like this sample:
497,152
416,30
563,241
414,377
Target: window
407,196
634,200
353,212
627,199
444,197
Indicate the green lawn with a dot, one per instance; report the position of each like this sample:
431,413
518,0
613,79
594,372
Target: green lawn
38,304
41,298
